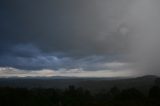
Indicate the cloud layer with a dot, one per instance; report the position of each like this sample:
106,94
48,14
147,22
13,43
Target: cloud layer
30,57
7,72
87,36
93,36
76,27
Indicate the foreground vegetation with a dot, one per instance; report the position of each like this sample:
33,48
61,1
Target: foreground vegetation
73,96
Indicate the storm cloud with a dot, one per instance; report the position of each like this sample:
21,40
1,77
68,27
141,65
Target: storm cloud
30,57
60,34
76,27
91,36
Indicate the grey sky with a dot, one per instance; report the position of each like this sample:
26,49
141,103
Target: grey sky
78,34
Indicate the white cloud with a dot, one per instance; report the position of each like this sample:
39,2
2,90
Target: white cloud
76,72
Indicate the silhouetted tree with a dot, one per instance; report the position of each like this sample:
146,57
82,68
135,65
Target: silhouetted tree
73,96
154,92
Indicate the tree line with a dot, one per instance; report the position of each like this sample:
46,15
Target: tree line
77,96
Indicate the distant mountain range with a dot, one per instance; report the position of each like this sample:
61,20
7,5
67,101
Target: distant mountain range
93,84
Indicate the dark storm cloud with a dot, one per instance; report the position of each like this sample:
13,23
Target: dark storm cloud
74,26
80,35
30,57
38,34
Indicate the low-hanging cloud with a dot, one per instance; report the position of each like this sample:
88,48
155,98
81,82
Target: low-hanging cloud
28,56
7,72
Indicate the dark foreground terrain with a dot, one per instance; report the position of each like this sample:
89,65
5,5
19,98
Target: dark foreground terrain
125,92
72,96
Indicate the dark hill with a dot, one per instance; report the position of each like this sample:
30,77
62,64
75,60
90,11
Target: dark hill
93,84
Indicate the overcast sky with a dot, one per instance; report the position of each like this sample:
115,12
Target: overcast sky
68,37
